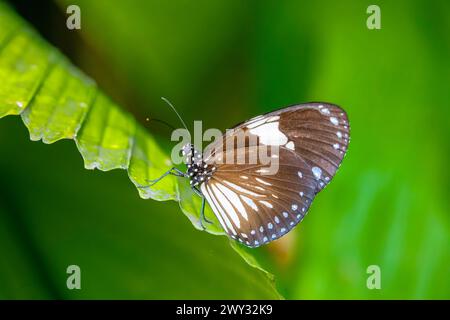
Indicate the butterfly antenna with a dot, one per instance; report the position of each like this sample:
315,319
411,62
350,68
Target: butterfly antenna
161,121
173,108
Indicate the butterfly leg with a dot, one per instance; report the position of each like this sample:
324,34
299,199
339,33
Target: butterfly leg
174,171
202,211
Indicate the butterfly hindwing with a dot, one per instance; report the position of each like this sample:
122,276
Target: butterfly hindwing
255,208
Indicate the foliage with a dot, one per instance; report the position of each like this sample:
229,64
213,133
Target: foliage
56,101
223,62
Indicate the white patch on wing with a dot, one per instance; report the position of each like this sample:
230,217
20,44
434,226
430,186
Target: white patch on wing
250,202
263,182
256,118
273,118
222,199
234,199
267,204
240,189
255,123
223,219
270,134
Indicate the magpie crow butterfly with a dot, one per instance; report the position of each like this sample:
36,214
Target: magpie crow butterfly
254,207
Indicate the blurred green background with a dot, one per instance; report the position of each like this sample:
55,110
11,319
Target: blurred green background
223,62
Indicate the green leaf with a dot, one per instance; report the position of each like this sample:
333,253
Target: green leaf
56,101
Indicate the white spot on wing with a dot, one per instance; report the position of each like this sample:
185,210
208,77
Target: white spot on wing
290,145
317,172
325,111
334,121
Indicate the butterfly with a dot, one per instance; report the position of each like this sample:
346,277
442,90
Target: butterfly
255,206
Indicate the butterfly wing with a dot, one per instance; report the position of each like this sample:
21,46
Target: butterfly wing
255,207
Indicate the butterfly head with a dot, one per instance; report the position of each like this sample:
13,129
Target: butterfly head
197,170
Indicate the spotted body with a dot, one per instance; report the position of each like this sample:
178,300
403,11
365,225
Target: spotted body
198,171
